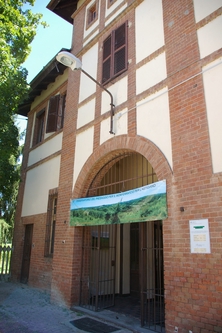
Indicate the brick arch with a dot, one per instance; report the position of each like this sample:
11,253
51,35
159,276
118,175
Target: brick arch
115,147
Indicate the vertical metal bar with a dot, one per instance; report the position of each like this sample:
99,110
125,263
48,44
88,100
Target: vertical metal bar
121,259
110,263
143,270
159,273
114,256
81,268
98,268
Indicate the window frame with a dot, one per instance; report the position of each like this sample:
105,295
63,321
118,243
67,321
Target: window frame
92,14
51,225
111,51
110,3
39,127
56,111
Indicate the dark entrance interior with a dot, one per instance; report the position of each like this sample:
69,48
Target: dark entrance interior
146,298
26,253
134,261
122,265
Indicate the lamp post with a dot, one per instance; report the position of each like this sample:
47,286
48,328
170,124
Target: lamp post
69,60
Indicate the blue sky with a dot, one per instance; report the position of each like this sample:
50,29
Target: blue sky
156,188
48,41
46,44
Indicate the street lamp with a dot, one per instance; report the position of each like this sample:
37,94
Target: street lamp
69,60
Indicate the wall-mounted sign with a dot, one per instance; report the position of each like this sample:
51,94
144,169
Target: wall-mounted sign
147,203
199,236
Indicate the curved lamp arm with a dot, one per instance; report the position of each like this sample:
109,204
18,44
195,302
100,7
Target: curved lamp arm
69,60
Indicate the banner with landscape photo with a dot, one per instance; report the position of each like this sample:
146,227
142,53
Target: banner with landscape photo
146,203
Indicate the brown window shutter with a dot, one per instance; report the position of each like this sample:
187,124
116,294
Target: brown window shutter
120,48
115,53
107,59
53,114
62,104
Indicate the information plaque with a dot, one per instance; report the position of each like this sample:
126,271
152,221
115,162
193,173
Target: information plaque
199,236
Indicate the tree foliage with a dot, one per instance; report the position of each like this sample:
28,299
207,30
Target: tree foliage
17,30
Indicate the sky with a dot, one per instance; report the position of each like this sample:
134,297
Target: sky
48,41
46,44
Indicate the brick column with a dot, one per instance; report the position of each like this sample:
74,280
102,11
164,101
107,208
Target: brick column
188,277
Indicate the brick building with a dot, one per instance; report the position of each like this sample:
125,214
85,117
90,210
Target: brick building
161,62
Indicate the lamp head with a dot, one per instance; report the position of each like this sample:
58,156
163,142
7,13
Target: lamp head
69,60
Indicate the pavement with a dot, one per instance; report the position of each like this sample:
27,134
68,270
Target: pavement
24,309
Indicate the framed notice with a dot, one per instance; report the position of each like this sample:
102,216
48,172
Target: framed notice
199,236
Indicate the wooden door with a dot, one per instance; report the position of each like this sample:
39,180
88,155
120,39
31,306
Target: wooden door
26,253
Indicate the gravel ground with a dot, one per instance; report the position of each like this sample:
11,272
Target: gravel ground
28,310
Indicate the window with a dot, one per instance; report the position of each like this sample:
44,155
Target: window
110,3
50,225
103,241
39,127
92,13
115,53
56,113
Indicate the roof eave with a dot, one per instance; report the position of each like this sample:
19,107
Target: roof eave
48,75
63,8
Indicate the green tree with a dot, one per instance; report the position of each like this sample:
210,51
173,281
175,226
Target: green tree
17,30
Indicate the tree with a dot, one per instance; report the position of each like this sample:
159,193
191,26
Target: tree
17,30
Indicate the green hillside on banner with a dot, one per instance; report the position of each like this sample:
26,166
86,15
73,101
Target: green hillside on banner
142,208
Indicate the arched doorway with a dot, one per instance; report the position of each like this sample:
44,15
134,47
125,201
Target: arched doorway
122,264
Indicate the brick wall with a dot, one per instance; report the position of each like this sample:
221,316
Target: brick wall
193,283
193,295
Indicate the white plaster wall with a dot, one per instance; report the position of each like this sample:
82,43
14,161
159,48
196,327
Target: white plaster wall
120,122
115,13
151,73
92,36
210,37
39,181
153,122
89,64
46,149
212,79
119,126
119,91
104,130
149,28
86,113
203,8
84,148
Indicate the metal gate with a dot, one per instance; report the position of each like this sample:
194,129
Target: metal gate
102,277
98,267
152,281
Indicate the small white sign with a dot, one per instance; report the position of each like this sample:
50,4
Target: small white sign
199,236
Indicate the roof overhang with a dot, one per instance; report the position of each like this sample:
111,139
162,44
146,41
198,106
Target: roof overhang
63,8
47,75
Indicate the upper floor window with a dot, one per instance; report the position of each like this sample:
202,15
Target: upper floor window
92,13
55,118
39,127
115,53
110,3
56,113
